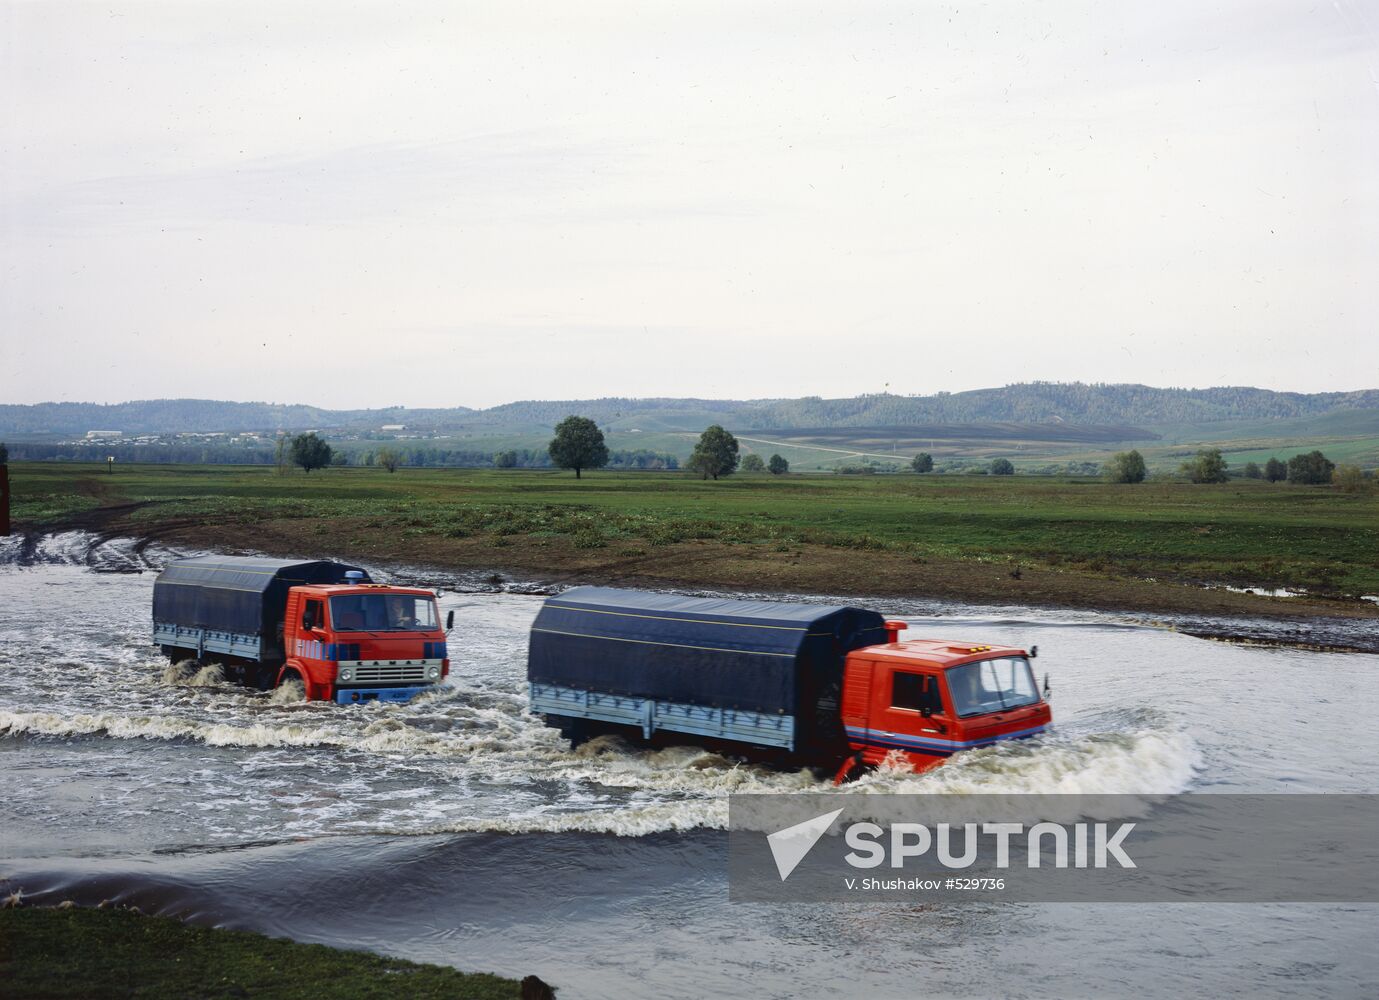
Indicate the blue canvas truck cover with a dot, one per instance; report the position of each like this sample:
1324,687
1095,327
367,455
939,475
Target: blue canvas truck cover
756,671
233,604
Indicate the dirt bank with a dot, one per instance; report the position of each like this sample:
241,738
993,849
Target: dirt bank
553,562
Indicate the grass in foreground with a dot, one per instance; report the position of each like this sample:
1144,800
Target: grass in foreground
114,953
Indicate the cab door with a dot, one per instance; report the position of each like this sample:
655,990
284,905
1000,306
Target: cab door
310,653
909,714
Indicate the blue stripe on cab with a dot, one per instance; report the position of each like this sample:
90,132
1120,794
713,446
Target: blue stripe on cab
932,745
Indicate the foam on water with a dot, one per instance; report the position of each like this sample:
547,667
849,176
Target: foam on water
1151,759
210,675
290,692
181,755
609,786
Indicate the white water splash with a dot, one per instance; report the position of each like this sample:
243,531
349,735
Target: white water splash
289,692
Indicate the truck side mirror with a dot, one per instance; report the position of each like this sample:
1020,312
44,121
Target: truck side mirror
450,621
1033,652
1048,692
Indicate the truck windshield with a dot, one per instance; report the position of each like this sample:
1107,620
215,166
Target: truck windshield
992,685
383,613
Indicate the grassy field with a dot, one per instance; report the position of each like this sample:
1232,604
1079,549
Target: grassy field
51,953
977,537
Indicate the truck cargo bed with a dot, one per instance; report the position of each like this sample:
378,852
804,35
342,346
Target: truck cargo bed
232,605
755,672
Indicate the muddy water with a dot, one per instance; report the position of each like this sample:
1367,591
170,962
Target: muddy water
458,829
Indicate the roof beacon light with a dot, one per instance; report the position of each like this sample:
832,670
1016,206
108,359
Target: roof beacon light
354,577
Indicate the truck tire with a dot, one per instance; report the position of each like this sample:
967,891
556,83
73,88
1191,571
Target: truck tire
852,768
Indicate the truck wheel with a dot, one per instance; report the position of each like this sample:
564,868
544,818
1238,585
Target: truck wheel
852,768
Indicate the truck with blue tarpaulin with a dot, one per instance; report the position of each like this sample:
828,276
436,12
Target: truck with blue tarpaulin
829,685
320,623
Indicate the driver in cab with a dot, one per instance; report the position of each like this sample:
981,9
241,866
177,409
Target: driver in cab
402,612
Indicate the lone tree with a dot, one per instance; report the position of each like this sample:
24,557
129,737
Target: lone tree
505,460
753,463
389,458
716,453
578,444
1002,467
310,452
1275,471
778,466
1207,467
923,462
1252,471
1311,469
1126,467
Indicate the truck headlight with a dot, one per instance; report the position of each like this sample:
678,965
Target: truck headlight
433,672
346,673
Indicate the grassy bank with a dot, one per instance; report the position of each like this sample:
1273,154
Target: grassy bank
114,953
1028,539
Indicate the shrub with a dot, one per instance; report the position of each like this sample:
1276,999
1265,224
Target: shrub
1126,467
1207,467
1350,479
588,538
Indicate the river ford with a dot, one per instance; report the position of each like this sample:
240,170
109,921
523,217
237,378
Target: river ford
458,829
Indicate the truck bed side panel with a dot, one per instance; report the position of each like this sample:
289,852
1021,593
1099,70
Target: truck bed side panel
669,654
228,604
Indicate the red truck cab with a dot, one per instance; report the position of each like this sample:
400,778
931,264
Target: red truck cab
363,642
928,699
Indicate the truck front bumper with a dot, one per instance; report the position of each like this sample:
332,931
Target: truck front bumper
354,695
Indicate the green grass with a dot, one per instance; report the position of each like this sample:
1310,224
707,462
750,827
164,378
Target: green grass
115,953
1244,531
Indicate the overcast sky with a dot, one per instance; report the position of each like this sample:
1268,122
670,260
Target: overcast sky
464,204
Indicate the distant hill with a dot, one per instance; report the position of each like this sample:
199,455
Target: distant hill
1036,403
159,416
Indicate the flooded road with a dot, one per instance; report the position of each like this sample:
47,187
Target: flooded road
458,829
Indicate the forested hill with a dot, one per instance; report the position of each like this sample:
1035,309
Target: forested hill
1064,402
1030,403
156,416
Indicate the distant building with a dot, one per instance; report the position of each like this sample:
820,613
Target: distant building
394,427
103,435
